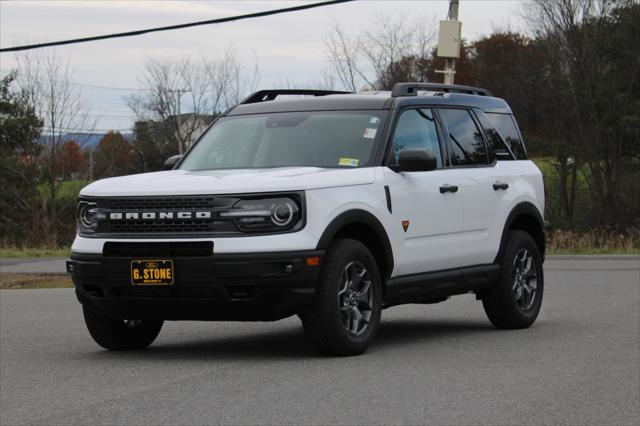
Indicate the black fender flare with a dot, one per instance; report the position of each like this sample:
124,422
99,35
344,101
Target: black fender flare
361,217
524,208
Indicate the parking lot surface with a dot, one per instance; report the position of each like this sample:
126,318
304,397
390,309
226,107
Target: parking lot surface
431,364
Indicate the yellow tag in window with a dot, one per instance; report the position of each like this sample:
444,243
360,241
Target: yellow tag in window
351,162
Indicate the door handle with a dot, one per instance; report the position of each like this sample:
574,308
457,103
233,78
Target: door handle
500,185
448,188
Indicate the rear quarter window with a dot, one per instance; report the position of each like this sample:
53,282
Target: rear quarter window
507,128
499,149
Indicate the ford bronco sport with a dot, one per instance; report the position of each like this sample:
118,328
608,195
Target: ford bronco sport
330,206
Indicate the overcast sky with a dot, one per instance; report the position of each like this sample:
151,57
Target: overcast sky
287,47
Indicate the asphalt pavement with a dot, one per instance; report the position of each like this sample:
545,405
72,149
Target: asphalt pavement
431,364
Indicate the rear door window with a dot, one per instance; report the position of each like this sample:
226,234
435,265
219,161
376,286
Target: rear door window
466,143
509,131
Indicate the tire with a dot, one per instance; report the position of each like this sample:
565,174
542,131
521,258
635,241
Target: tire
121,335
515,301
332,323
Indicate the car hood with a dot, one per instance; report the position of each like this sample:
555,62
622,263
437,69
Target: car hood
182,182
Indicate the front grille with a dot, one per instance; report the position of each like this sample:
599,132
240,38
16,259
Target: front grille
139,227
159,249
213,224
134,203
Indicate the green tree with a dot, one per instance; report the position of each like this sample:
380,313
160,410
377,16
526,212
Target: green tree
21,204
151,145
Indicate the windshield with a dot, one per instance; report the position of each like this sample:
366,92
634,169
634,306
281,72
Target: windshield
315,138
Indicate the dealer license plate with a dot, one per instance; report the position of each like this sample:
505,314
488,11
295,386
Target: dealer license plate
152,272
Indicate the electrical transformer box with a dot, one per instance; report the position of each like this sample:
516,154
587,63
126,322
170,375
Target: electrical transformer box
449,39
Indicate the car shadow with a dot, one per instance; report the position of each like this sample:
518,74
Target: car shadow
396,333
290,343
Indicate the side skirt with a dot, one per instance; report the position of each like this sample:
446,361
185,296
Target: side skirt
433,287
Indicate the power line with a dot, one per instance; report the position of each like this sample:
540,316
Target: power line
99,115
93,113
174,27
109,102
132,116
179,92
96,86
85,131
92,86
99,111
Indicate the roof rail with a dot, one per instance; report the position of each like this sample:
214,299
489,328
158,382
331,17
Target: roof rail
269,95
411,89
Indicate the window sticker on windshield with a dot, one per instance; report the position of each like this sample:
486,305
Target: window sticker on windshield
369,133
353,162
374,120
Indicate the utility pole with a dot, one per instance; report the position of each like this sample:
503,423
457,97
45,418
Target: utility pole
449,42
91,163
179,92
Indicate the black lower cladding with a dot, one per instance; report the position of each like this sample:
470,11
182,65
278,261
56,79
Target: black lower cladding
239,287
436,286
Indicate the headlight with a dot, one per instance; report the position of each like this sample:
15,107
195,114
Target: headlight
87,216
266,214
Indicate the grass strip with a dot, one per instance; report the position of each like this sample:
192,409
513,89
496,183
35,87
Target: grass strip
12,252
29,281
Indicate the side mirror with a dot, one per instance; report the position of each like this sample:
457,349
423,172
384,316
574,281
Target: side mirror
416,160
171,162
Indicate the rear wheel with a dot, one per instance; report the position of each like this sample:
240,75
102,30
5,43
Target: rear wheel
121,334
345,316
515,302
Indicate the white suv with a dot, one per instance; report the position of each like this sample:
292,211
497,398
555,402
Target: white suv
331,206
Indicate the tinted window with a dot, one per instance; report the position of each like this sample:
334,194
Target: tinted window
509,132
496,142
465,139
416,129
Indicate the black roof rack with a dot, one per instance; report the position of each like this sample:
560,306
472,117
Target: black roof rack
411,89
269,95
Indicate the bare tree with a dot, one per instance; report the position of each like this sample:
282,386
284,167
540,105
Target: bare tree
181,93
326,81
561,16
229,83
170,85
363,61
344,58
46,81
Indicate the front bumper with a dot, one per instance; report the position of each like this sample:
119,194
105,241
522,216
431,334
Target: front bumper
238,287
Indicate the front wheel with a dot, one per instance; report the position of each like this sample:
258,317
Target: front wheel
121,334
515,301
345,316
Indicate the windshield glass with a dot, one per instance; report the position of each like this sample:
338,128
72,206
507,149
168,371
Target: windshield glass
315,138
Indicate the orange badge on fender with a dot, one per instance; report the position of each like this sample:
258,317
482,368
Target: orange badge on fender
405,225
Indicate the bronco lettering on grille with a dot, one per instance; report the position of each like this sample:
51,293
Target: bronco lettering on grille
159,215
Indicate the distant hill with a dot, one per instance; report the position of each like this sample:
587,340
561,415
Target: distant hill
88,141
